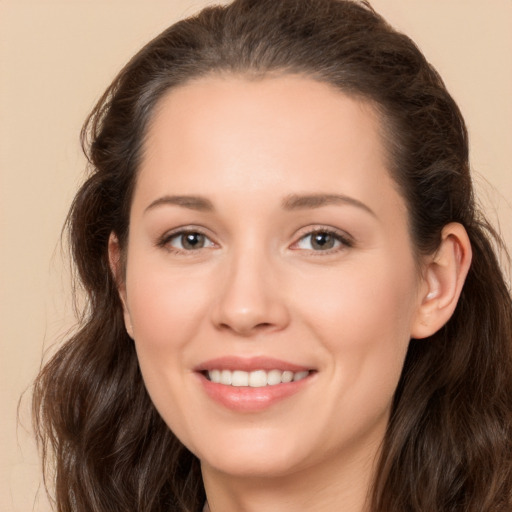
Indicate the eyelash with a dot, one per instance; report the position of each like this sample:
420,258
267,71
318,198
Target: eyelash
343,240
165,240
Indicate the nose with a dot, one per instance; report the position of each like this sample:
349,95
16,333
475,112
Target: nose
251,299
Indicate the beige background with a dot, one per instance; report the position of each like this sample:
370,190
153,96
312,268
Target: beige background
56,58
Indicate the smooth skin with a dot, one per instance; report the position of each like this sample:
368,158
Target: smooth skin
265,223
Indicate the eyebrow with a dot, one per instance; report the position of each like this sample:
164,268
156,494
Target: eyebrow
302,202
290,203
191,202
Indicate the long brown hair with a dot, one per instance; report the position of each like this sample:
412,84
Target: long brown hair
449,442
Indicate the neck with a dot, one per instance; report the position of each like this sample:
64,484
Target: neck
341,483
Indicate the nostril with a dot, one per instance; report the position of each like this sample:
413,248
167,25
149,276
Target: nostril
263,325
246,329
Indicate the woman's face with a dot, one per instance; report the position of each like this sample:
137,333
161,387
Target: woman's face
268,243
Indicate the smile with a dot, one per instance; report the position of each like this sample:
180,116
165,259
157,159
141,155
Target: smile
254,384
254,379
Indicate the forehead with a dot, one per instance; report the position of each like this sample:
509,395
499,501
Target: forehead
284,134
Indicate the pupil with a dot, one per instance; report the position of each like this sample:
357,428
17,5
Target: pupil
193,241
323,241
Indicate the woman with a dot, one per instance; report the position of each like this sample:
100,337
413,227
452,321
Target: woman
293,301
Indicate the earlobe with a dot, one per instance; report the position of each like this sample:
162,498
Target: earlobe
443,279
116,267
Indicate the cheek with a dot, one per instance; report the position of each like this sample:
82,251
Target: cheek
166,310
363,318
362,299
165,306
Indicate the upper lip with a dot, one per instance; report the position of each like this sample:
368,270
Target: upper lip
249,364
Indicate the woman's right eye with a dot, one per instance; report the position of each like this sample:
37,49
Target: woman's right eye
187,241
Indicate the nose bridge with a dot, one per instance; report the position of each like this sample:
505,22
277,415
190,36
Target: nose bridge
249,300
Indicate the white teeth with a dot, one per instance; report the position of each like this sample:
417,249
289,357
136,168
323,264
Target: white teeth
287,376
258,379
225,377
239,378
214,376
274,377
255,379
300,376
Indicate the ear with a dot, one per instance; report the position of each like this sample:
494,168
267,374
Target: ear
116,267
442,281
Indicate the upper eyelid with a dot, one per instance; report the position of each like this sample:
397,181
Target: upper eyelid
309,230
168,235
188,228
345,237
346,241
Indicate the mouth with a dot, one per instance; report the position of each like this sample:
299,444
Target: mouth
252,384
254,379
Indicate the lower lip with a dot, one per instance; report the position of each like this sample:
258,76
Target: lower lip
247,399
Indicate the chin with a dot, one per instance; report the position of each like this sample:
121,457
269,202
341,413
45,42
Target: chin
254,455
255,466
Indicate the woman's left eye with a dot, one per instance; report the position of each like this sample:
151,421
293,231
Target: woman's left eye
321,240
188,241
